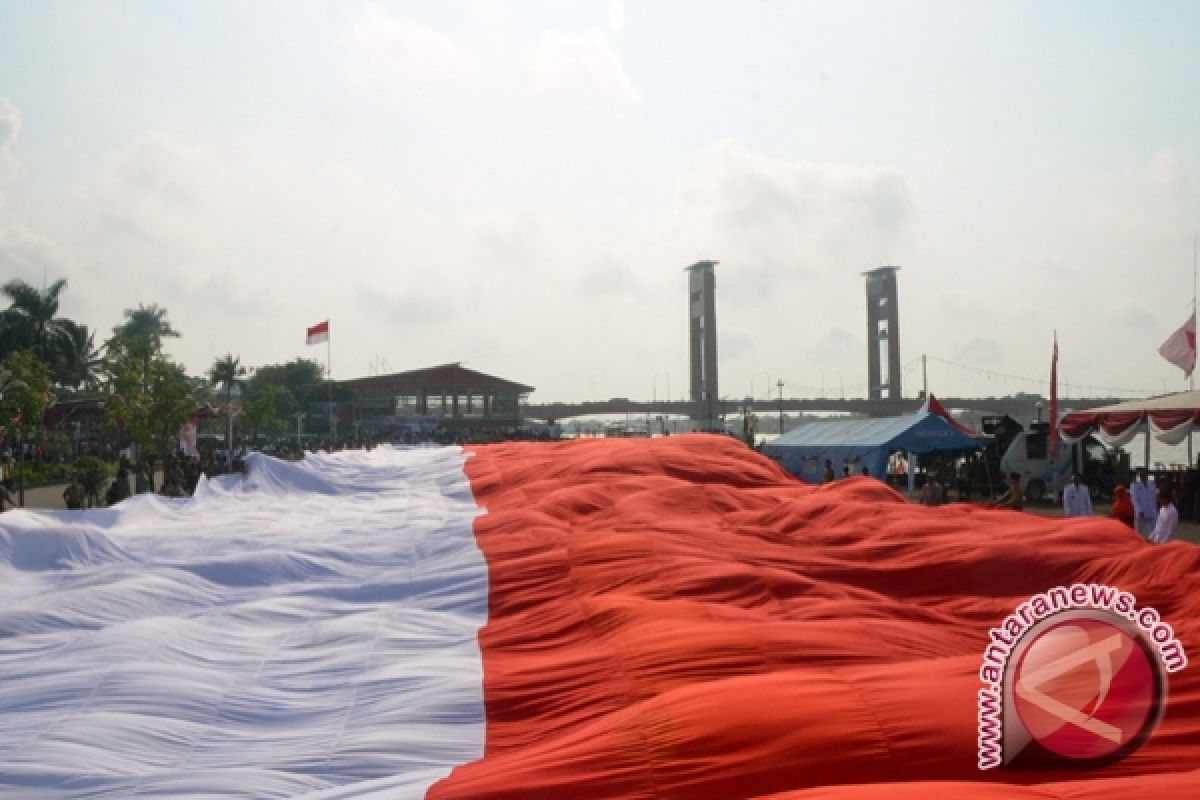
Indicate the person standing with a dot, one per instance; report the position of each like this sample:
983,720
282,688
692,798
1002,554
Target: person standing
73,495
1014,497
1167,521
829,476
931,492
1077,502
1122,508
1145,508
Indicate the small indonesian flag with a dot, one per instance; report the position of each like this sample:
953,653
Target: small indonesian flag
1180,348
318,333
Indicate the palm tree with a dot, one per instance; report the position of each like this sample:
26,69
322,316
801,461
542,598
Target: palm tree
143,330
228,372
79,361
30,320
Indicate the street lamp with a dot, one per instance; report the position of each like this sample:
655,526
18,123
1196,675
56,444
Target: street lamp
780,385
299,415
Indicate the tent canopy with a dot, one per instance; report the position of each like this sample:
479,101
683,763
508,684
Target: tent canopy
864,441
1170,417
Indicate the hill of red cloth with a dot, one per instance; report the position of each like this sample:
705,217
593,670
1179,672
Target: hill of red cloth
678,618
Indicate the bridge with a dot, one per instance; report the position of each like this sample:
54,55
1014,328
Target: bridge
1020,407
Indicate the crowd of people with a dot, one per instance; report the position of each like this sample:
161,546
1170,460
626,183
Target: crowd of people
1150,510
178,474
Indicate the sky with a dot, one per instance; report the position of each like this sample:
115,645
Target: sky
519,186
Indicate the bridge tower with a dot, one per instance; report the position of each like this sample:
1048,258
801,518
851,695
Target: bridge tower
702,341
883,332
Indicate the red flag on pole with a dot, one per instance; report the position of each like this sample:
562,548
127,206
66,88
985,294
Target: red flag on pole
1180,347
318,333
1054,401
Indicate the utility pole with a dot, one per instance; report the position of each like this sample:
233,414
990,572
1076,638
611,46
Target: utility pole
780,385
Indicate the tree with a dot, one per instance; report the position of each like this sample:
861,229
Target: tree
301,377
29,381
150,399
92,474
31,319
228,372
261,411
79,362
143,330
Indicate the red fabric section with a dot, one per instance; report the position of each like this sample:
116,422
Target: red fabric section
1116,423
320,327
678,618
1167,420
934,406
1078,424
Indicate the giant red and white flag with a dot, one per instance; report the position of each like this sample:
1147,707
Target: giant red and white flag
318,333
1180,347
607,620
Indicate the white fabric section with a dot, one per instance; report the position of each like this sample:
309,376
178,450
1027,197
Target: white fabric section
1171,436
309,629
1124,438
1072,440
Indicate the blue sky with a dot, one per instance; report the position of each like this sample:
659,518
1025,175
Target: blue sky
518,186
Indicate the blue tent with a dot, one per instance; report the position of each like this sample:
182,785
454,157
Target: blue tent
862,441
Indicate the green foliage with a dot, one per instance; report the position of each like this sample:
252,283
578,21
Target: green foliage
27,387
151,398
30,321
259,412
227,372
78,361
93,475
44,474
142,332
301,377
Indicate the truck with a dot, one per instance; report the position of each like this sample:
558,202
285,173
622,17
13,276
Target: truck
1028,454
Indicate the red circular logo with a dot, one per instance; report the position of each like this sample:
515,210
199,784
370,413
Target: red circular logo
1086,688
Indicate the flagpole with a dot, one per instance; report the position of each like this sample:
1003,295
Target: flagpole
329,381
1192,377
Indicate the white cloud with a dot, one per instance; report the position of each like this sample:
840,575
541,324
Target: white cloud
616,14
982,352
792,238
609,277
1156,200
25,254
387,48
791,217
585,68
10,126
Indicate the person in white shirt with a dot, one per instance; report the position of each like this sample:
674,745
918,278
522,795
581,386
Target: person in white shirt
1145,506
1168,519
1076,500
